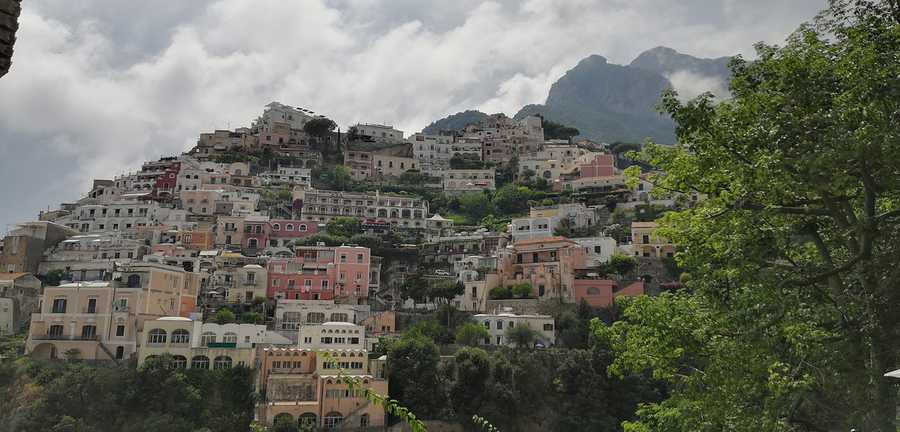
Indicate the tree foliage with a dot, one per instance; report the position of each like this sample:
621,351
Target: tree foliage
471,334
791,321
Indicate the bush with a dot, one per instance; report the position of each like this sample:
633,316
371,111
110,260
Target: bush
522,290
500,293
224,316
471,334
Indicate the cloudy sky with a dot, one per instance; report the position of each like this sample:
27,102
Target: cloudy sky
98,86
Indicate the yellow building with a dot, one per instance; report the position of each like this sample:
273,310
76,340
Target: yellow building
646,242
100,320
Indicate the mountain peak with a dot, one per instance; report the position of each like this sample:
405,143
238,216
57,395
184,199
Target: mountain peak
665,61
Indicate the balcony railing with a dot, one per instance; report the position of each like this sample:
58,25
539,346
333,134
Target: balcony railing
65,337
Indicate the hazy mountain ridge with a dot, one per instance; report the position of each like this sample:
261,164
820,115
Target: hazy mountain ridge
610,102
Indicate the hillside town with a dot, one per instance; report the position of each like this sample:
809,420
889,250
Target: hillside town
296,250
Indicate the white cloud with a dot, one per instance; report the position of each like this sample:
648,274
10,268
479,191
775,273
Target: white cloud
98,86
690,85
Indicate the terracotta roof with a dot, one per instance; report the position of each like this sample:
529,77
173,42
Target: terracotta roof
12,276
544,240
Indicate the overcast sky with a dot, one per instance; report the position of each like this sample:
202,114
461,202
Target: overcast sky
98,86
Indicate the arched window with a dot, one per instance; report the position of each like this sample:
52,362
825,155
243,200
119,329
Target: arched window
290,320
276,227
200,362
382,213
181,336
134,281
207,338
339,317
222,362
302,227
230,337
289,227
364,420
333,420
157,337
315,317
307,420
283,418
179,362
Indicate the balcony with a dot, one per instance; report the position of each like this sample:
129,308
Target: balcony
65,337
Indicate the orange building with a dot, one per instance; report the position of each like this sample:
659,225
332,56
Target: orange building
299,385
600,293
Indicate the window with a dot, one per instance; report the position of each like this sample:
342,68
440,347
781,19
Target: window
59,305
325,340
207,338
200,362
315,317
301,228
56,330
548,327
134,281
339,317
499,325
181,336
157,337
359,258
230,337
276,227
179,362
92,305
120,330
645,239
120,352
308,420
487,324
89,332
364,420
332,420
222,362
343,258
289,227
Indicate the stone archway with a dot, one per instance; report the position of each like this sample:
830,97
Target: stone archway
45,351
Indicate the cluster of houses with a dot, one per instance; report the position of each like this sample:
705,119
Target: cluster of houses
138,266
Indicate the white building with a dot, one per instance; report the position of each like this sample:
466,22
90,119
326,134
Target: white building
276,112
598,249
333,335
288,175
292,314
497,325
468,180
379,133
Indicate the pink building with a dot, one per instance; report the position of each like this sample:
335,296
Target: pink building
283,232
548,263
321,273
600,293
600,166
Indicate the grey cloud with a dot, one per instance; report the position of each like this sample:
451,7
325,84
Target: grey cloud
98,86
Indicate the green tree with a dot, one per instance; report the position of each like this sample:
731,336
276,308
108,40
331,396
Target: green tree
522,335
473,372
511,199
224,316
413,365
343,226
471,334
252,318
499,293
284,424
521,290
553,130
793,254
334,177
475,205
